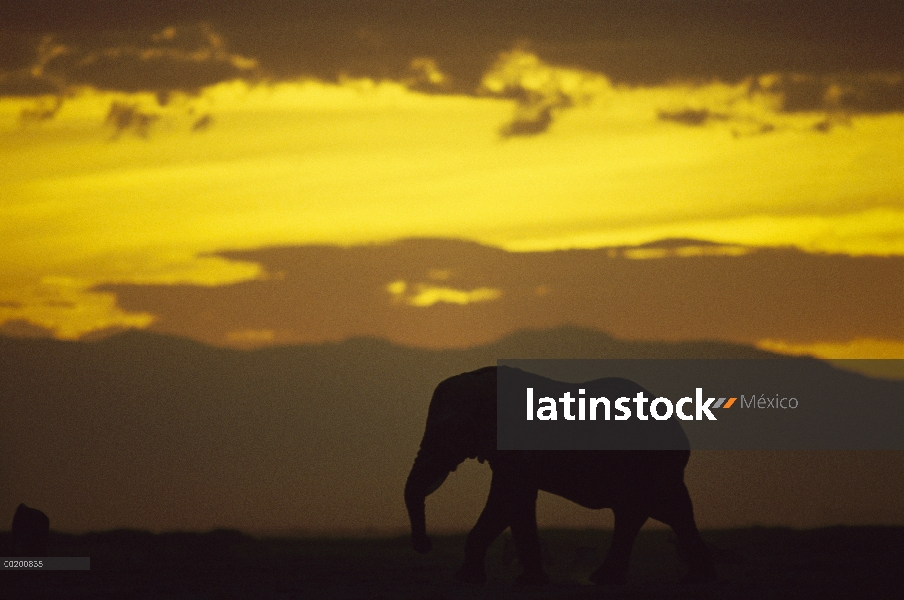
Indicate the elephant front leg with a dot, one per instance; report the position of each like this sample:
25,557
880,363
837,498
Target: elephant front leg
493,521
614,570
527,538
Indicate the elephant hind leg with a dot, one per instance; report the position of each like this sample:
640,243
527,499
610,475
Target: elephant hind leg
614,570
678,513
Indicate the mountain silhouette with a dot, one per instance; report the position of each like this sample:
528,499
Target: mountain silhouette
147,431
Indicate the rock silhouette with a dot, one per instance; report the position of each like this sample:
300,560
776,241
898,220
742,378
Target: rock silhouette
635,484
30,532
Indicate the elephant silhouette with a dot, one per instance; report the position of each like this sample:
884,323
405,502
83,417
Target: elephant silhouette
635,484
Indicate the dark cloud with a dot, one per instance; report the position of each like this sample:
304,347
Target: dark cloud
869,93
529,120
837,58
411,292
22,328
34,81
425,76
635,42
176,58
691,116
836,97
202,123
742,126
43,109
184,58
539,89
128,117
172,60
60,303
823,126
26,84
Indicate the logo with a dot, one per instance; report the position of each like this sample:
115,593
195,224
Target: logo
661,408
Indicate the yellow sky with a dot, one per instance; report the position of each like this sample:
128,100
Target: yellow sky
357,162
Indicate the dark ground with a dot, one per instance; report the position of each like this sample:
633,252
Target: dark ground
838,562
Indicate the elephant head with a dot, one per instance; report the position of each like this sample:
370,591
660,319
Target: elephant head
461,424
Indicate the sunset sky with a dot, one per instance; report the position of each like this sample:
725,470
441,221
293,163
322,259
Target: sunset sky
438,175
149,154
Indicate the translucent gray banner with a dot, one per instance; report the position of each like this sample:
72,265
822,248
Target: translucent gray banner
707,404
46,563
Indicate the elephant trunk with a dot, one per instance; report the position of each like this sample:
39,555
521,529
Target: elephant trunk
425,477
